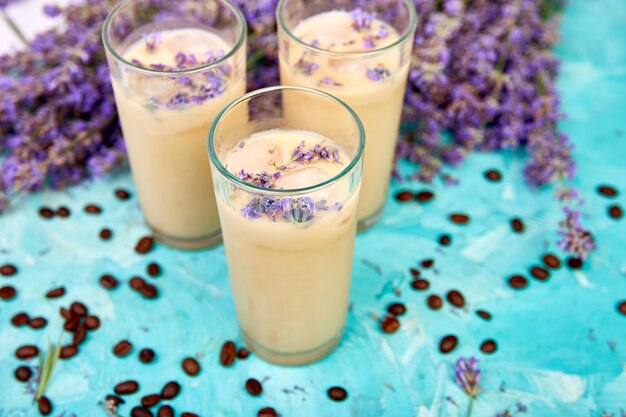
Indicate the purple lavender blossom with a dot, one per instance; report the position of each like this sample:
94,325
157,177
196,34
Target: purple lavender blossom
361,19
317,152
467,376
299,210
305,66
263,179
152,41
575,238
329,82
291,209
368,42
378,74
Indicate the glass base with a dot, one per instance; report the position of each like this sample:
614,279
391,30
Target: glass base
370,221
292,358
187,244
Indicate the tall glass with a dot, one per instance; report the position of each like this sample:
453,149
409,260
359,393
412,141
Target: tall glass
174,65
360,52
289,247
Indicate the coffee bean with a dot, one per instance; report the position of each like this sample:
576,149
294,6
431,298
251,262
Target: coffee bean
153,269
517,225
434,302
228,353
455,298
150,400
518,281
65,313
44,405
424,196
122,348
191,366
337,393
68,351
539,273
137,283
93,209
170,390
149,291
146,355
92,322
7,292
415,272
551,261
485,315
20,319
266,412
493,175
448,343
607,191
79,335
621,307
63,212
26,352
141,412
427,263
144,245
126,387
122,194
56,293
7,270
445,240
78,309
254,387
37,323
616,212
23,373
72,323
108,281
115,399
459,218
188,414
574,263
489,346
420,284
397,309
390,324
106,234
46,213
243,353
404,196
165,411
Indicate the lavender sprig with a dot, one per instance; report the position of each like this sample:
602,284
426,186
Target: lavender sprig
575,238
361,19
379,73
315,153
467,377
290,209
263,179
305,66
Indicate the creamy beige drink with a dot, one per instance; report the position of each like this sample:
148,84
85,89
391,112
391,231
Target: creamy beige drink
353,55
289,256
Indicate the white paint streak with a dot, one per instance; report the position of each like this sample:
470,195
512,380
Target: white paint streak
482,246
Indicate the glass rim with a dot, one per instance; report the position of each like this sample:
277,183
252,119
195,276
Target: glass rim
215,160
109,48
408,32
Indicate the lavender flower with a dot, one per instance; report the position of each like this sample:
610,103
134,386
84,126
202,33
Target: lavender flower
152,41
317,152
291,209
575,238
305,66
467,376
361,19
263,179
378,74
329,82
299,210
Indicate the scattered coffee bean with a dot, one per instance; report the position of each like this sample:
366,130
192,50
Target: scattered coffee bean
459,218
551,261
424,196
108,281
621,307
415,272
92,322
144,245
26,352
37,323
427,263
455,298
79,335
485,315
228,353
23,373
56,292
72,323
188,414
44,405
7,270
115,399
493,175
153,269
445,240
126,387
434,302
243,353
254,387
517,225
574,263
448,343
46,213
518,281
149,291
165,411
93,209
420,284
65,313
170,390
68,351
150,400
337,393
607,191
540,273
146,355
78,309
191,366
489,346
390,324
141,412
20,319
122,194
7,292
106,234
122,348
616,212
266,412
137,283
404,196
63,212
397,309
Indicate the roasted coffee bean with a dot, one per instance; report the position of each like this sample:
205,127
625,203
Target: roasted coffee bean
616,212
397,309
455,298
106,234
420,284
141,412
63,212
65,313
93,209
149,291
37,323
621,307
228,353
390,324
434,302
122,348
108,281
122,194
170,390
337,393
146,355
46,213
79,335
72,323
115,399
415,272
20,319
517,225
144,245
551,261
266,412
459,218
448,343
44,405
188,414
23,373
7,292
126,387
489,346
137,283
427,263
26,352
68,351
254,387
574,263
150,400
518,281
607,191
243,353
56,292
540,273
165,411
153,269
78,309
485,315
424,196
7,270
445,240
404,196
92,322
493,175
191,366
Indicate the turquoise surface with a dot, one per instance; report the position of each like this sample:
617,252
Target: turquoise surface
561,343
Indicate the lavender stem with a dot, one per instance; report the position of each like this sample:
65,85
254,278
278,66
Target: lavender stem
14,27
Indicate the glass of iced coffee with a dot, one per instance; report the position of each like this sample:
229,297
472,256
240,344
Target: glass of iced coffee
359,52
174,65
287,184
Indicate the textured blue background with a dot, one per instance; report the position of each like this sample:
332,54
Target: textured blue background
554,338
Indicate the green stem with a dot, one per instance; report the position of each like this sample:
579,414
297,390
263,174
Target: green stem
469,407
14,27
